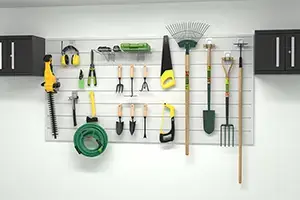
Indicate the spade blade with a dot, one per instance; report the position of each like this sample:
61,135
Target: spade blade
209,121
119,127
132,127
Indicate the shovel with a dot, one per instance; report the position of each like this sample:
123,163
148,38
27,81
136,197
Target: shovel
209,115
119,124
132,122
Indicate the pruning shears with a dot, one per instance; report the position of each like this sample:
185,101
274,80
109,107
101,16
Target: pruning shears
92,71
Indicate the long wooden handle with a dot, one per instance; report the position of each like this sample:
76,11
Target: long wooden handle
120,71
145,110
145,71
240,125
92,99
120,110
132,110
131,71
187,104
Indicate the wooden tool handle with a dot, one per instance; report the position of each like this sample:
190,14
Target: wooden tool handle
209,56
120,71
145,110
187,104
145,71
240,125
92,99
120,110
131,71
132,110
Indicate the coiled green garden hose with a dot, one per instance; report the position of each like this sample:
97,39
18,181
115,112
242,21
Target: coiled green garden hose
90,130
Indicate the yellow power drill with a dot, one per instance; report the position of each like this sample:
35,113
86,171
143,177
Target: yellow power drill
51,85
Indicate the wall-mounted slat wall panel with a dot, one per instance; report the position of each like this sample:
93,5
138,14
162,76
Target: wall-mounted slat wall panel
107,100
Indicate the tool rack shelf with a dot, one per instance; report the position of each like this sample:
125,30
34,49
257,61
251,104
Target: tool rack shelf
107,100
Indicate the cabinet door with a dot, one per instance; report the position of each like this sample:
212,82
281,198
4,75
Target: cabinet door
21,56
5,66
269,52
293,52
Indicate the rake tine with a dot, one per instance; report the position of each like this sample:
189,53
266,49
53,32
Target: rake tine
225,135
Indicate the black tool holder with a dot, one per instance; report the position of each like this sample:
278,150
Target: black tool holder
74,98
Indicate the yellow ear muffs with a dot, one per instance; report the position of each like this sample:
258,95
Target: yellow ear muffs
75,60
64,60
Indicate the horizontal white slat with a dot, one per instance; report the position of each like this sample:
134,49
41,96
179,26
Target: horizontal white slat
154,84
154,71
178,58
54,46
171,97
196,137
152,123
196,111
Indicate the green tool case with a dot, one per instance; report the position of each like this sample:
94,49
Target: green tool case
135,47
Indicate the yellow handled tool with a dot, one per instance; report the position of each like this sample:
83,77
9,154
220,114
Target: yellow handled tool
168,137
167,79
92,101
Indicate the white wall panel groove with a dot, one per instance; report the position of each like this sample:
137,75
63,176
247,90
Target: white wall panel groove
107,100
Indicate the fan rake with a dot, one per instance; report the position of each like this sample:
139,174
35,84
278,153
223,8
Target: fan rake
187,35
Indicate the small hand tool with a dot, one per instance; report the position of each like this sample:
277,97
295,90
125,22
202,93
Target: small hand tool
145,84
119,124
168,137
132,77
74,98
120,86
92,71
241,44
51,85
145,120
227,128
132,122
81,80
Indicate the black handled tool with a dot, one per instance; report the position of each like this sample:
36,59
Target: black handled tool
92,71
145,120
74,98
132,122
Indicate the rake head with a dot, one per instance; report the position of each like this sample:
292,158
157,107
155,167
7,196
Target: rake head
187,34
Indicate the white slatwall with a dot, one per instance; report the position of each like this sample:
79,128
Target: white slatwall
107,100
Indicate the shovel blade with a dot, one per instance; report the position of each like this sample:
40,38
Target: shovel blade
119,127
209,121
132,127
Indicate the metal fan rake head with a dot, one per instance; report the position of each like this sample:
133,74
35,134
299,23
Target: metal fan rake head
187,34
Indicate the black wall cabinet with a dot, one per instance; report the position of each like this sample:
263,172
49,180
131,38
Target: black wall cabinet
277,52
22,55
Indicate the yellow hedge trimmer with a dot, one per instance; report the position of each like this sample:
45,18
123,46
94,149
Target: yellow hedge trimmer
51,85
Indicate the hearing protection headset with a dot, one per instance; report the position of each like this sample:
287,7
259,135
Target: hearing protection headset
75,60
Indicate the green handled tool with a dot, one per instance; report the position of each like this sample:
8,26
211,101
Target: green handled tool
209,115
92,71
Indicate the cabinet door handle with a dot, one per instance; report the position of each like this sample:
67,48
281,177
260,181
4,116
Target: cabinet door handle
277,51
12,55
293,52
0,55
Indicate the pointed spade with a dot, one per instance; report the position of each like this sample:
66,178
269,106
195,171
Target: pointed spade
119,124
